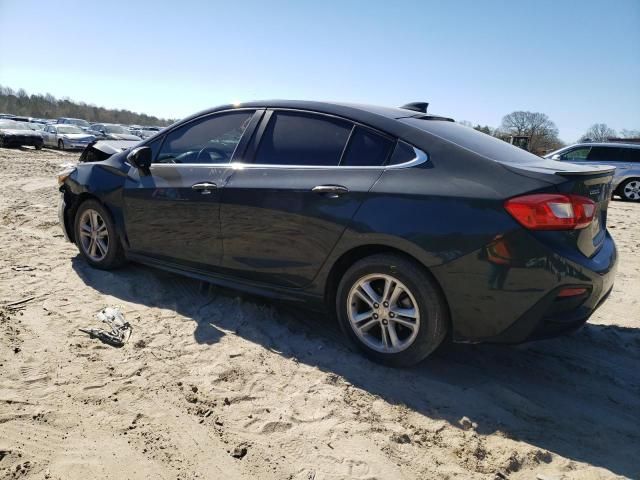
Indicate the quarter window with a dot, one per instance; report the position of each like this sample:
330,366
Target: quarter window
632,155
209,140
293,138
366,148
403,153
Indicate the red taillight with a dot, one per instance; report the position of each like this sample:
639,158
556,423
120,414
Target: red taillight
571,292
551,211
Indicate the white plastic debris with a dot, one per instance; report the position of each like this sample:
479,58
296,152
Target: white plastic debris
119,331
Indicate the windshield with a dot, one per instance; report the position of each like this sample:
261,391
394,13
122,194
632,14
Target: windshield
79,122
10,124
115,129
69,129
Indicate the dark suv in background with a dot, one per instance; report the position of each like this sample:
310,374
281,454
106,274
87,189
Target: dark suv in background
407,226
624,156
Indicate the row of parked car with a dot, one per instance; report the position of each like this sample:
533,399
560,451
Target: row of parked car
65,133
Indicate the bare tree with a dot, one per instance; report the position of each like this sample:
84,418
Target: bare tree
598,132
625,133
542,132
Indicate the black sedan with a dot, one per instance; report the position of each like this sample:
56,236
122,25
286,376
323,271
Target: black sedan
18,134
406,225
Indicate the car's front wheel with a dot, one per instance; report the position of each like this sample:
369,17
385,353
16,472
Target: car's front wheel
60,145
630,190
96,236
391,309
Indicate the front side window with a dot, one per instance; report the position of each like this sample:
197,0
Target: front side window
576,155
211,139
366,149
293,138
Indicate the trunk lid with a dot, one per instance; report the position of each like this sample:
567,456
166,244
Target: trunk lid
591,181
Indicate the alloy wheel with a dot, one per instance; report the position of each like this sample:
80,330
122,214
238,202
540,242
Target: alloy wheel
383,313
94,236
631,190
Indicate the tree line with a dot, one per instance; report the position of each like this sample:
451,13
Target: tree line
542,134
19,102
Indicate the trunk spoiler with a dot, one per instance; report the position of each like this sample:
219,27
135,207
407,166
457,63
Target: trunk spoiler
553,171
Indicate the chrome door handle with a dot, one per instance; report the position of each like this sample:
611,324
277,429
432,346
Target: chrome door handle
205,188
331,191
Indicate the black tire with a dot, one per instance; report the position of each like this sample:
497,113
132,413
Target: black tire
433,312
114,256
60,145
624,195
38,147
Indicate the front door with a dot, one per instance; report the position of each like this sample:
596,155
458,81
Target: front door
173,213
284,211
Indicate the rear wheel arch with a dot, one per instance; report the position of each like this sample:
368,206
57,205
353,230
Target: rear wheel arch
350,257
623,184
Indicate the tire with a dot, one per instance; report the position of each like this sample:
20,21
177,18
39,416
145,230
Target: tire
60,145
417,289
629,190
98,253
38,147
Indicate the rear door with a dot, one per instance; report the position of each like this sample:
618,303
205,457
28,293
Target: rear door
173,213
305,176
615,156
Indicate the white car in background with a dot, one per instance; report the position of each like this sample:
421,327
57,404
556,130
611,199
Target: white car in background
66,137
624,156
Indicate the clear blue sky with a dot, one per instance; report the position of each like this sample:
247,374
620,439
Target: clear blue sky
577,61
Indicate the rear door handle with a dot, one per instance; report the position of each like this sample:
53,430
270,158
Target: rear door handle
205,188
331,191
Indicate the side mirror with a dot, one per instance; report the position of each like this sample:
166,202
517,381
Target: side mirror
556,157
140,158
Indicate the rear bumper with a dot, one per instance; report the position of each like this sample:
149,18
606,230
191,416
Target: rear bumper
554,315
519,301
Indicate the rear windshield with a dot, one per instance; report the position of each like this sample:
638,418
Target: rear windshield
473,140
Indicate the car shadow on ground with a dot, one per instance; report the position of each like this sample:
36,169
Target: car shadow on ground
577,396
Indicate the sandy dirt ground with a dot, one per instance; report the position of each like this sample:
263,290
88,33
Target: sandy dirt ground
215,385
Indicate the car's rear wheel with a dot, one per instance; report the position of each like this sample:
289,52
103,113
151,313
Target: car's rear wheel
391,309
60,145
630,190
96,236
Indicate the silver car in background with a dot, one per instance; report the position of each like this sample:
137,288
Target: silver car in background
66,137
624,156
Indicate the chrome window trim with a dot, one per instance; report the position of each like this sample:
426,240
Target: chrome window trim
420,158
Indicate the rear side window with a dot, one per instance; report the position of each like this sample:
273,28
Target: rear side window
211,139
366,149
293,138
611,154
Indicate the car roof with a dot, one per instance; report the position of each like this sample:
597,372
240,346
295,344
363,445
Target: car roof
605,144
382,118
